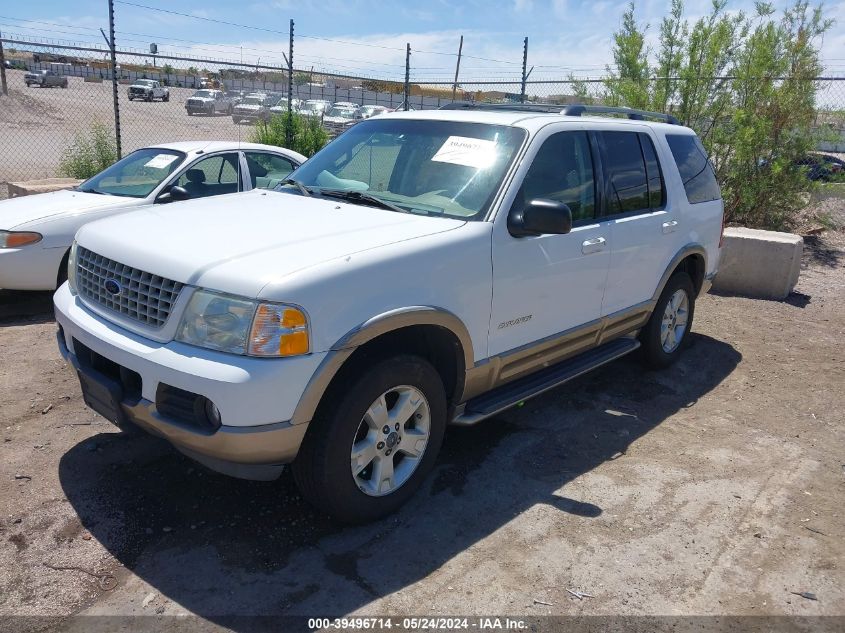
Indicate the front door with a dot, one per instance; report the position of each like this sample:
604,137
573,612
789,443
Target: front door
546,284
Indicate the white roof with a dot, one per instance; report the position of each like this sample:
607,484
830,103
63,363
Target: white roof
216,146
189,147
531,121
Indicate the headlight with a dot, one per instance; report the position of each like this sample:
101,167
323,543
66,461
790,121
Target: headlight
71,268
242,326
15,239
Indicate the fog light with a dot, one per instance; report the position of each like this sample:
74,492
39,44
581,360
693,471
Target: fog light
212,413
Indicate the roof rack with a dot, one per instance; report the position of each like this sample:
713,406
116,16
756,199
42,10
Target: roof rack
576,109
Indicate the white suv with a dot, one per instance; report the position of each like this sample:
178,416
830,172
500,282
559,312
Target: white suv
424,268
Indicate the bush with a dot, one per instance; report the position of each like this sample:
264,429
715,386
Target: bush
306,133
90,153
745,83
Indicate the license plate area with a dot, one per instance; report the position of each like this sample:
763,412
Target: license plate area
102,394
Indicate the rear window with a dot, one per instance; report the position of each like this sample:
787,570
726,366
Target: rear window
695,169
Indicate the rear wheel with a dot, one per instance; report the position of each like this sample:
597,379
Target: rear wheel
370,450
667,330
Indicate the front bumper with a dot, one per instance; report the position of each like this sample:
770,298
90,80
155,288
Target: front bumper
252,394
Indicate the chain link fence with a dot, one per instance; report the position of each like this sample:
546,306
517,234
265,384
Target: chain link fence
57,94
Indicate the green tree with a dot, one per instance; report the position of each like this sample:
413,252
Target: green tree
745,84
300,78
306,134
629,79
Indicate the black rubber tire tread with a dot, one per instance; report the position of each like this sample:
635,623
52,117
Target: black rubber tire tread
322,468
653,354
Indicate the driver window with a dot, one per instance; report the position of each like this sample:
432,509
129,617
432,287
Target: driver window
562,171
211,176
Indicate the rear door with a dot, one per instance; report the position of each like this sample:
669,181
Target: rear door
643,220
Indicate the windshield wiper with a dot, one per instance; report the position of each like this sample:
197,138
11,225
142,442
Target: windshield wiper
99,193
362,196
305,191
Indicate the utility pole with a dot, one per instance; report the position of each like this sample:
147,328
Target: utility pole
457,68
407,76
3,88
524,66
114,80
289,127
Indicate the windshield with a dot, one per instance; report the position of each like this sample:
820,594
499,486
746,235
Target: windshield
144,82
136,175
254,100
208,94
446,168
344,113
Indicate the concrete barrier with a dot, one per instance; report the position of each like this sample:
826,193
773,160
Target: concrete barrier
763,264
46,185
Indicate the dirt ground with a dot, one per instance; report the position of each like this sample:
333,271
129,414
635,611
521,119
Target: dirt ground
716,487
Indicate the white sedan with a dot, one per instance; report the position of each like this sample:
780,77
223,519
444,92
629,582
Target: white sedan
36,231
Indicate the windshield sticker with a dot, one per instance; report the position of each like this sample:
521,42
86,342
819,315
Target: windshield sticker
160,161
463,150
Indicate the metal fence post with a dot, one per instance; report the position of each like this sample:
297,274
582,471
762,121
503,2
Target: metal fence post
407,76
524,68
3,88
289,128
114,80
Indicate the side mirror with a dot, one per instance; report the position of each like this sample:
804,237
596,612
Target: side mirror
178,193
540,217
174,194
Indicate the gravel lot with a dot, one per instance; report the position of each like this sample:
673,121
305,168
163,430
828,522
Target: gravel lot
714,488
39,123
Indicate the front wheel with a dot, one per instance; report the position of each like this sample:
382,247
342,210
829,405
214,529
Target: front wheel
166,97
668,328
369,451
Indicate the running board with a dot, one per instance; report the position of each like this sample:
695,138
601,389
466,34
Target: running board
512,393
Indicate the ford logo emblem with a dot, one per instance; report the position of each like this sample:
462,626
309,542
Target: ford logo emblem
113,287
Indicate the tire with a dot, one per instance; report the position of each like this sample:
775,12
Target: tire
149,98
235,120
166,97
61,277
323,467
663,338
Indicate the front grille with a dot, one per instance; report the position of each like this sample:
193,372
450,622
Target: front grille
144,297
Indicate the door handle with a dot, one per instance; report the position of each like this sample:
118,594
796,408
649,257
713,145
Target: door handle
593,246
669,227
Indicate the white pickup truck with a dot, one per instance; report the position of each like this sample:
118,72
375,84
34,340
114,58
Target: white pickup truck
424,268
147,90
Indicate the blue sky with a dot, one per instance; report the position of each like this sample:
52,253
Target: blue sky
367,37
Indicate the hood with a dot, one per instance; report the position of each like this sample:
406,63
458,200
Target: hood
247,107
142,86
239,243
26,209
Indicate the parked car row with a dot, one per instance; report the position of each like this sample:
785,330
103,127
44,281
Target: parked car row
417,271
